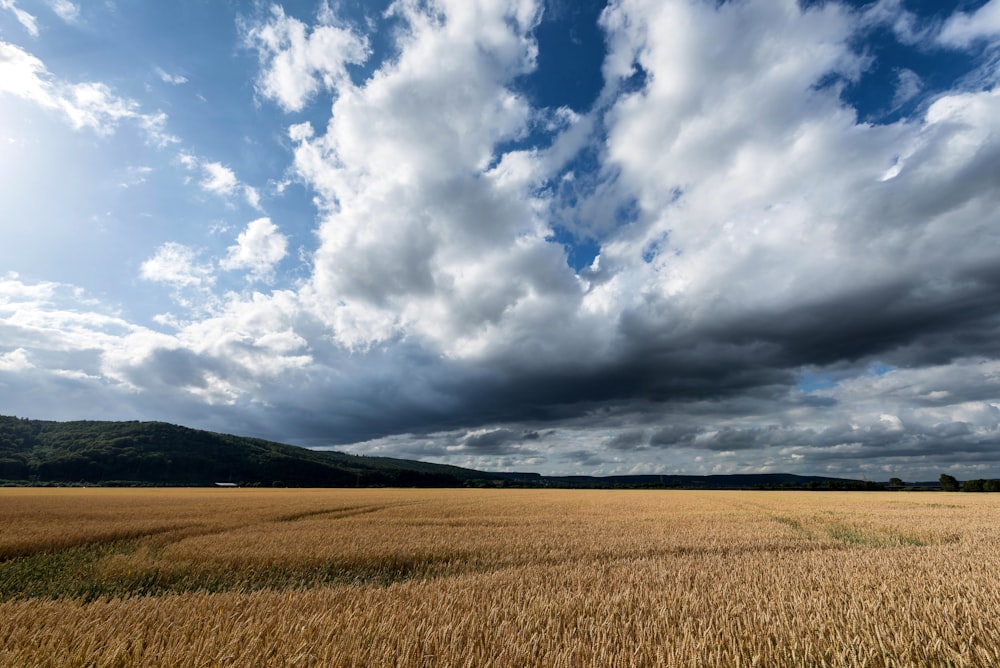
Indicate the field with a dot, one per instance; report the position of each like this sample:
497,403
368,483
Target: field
240,577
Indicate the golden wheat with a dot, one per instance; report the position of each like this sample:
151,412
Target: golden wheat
497,578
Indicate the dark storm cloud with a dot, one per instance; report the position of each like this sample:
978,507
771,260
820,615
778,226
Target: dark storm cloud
628,440
673,435
498,442
583,458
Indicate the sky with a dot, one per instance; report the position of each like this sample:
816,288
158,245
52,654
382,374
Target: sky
640,237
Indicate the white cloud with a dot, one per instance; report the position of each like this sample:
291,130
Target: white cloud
247,347
177,265
15,360
63,346
964,28
300,131
746,176
252,196
187,160
85,105
297,61
166,77
27,21
64,9
219,179
25,76
53,329
258,249
418,227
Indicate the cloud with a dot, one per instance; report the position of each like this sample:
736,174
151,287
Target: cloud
962,29
419,224
177,265
498,442
15,360
245,345
174,79
297,61
64,9
85,105
190,279
27,21
252,196
627,440
258,249
219,179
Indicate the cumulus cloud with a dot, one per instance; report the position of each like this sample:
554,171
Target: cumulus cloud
258,249
296,61
422,214
420,220
219,179
246,345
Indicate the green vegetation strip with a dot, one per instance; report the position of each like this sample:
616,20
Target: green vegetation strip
850,535
853,536
96,571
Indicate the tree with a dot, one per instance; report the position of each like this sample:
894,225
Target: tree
973,486
948,483
895,482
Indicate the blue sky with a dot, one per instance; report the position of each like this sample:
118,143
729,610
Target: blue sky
670,236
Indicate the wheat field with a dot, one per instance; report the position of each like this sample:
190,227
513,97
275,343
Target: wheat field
241,577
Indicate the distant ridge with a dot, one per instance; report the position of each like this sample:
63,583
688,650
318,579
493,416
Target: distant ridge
40,452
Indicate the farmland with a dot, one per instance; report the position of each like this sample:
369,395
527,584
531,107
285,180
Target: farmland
462,577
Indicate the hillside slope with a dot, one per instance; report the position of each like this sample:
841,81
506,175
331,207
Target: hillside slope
158,453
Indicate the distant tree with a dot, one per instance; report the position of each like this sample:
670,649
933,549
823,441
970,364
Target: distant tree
974,486
991,486
895,482
948,483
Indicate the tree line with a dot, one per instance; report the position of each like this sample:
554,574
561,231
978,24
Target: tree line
951,484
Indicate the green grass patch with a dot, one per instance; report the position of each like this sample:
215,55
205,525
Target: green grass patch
788,521
853,536
119,570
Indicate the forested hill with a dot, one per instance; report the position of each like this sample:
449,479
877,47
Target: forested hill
157,453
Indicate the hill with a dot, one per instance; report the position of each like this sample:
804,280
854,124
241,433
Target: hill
158,453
